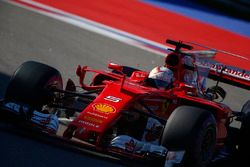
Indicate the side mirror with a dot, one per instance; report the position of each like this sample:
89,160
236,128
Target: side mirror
216,92
115,67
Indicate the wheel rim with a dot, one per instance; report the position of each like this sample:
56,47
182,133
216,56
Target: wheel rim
55,82
48,96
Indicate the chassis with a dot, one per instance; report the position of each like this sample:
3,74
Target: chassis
122,112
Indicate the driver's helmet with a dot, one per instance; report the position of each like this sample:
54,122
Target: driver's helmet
162,77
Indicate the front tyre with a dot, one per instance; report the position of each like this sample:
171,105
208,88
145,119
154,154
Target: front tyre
194,130
31,82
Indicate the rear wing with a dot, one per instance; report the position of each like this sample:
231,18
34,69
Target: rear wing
230,75
221,72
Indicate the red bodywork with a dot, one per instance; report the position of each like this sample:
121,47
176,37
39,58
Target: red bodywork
120,93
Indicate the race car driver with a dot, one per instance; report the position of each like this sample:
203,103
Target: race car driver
161,77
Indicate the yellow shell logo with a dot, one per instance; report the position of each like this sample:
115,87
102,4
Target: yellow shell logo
104,108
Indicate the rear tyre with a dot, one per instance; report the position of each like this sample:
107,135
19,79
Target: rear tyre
31,83
194,130
244,141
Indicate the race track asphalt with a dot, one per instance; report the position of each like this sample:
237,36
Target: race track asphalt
25,35
21,151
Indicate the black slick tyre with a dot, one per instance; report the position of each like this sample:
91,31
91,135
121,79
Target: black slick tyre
194,130
31,82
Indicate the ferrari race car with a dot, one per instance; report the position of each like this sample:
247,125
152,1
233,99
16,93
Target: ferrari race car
123,112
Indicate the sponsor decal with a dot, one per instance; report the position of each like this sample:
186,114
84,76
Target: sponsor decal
97,115
229,70
88,123
113,99
103,108
92,119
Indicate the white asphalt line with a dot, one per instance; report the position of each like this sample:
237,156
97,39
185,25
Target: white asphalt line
92,26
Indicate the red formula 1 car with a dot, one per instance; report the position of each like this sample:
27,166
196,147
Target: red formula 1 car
123,111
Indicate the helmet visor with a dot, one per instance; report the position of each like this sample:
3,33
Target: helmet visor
161,84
